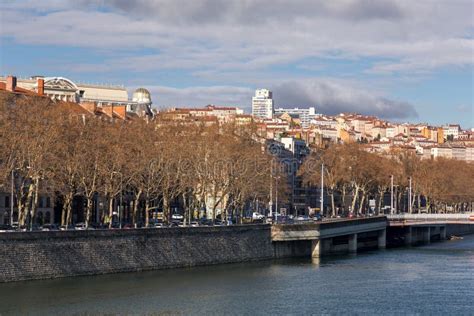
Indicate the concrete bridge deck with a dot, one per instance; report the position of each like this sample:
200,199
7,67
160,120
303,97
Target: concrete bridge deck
429,219
331,236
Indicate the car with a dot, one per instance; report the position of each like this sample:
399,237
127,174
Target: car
49,227
6,228
257,216
35,227
205,222
127,226
301,218
80,226
177,216
66,227
194,224
218,222
158,225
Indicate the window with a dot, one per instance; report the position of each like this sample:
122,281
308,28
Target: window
40,202
48,202
7,201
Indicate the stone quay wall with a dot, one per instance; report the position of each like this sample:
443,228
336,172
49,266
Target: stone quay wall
42,255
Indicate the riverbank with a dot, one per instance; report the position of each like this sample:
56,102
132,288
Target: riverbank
43,255
58,254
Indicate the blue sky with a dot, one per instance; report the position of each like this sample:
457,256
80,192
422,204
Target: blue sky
400,60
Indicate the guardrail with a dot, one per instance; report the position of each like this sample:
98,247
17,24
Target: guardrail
432,217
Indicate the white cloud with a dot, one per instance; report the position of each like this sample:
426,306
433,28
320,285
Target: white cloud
235,43
328,96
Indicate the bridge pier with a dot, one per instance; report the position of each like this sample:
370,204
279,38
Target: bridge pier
408,236
352,245
382,239
316,248
442,232
426,231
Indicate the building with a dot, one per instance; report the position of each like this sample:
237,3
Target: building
102,96
451,131
262,104
305,115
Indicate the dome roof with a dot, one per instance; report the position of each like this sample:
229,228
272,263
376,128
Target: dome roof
141,95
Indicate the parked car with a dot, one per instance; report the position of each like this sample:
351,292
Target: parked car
158,225
205,222
257,216
194,224
80,226
66,227
177,216
6,228
35,227
49,227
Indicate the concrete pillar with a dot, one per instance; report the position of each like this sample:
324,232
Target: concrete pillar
316,249
426,235
382,240
352,243
408,236
442,232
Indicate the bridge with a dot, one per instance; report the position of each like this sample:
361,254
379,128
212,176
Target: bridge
326,237
349,235
412,229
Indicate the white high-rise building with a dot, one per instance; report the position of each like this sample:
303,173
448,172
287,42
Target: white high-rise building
262,104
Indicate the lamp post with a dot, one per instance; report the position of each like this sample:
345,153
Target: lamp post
270,203
11,197
276,199
391,194
322,191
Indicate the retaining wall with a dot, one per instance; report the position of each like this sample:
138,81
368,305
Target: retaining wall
40,255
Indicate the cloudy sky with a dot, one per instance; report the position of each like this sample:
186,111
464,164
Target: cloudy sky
401,60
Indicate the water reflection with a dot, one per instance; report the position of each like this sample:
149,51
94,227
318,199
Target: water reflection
435,279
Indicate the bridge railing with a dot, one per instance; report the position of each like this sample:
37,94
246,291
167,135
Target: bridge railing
431,217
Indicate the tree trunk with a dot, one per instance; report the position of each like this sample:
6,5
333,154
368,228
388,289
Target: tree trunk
34,202
69,213
361,204
166,210
333,206
88,210
379,204
111,211
136,203
147,212
354,199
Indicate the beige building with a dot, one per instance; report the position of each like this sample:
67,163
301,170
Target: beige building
64,89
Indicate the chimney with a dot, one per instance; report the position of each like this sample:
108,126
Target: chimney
40,86
11,83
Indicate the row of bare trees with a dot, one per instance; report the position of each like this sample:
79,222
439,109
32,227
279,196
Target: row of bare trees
356,176
52,150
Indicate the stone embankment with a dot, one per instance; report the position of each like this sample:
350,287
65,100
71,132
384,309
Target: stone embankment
41,255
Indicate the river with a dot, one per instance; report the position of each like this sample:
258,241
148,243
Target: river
437,279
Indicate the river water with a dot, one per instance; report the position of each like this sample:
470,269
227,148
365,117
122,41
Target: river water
430,280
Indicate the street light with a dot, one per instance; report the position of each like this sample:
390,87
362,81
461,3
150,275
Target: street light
11,197
322,191
276,198
391,194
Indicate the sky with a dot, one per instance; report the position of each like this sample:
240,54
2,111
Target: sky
405,61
